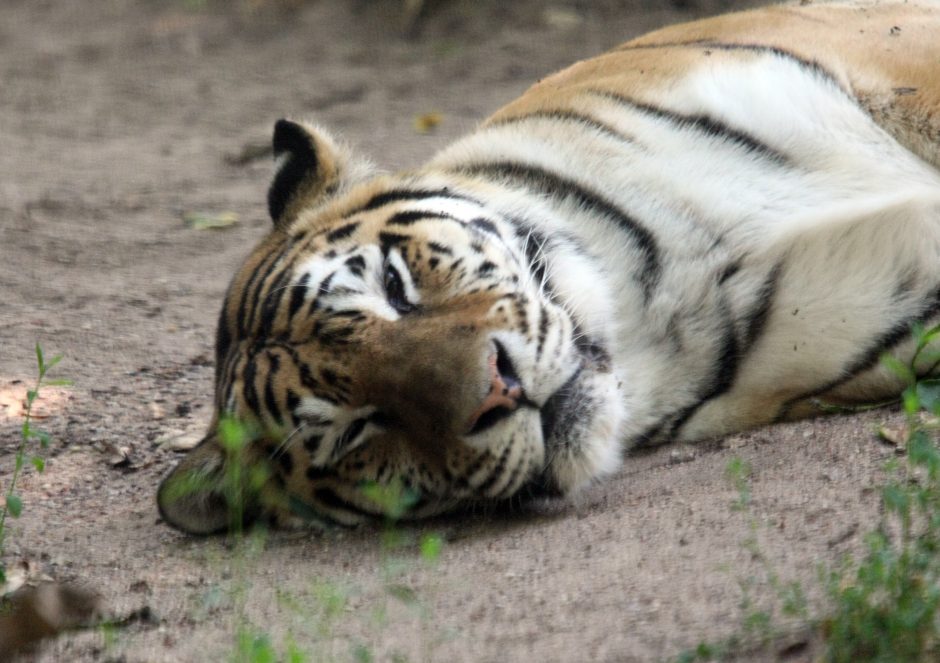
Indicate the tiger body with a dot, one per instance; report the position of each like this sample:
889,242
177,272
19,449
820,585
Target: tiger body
713,227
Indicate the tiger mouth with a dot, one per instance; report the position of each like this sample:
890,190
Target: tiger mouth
552,414
558,404
558,415
492,417
593,356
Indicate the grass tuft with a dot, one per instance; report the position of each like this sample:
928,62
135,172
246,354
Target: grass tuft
885,606
27,451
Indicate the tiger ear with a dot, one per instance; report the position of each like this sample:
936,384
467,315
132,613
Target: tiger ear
312,168
192,497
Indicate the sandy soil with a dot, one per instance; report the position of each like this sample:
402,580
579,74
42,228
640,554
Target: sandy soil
118,118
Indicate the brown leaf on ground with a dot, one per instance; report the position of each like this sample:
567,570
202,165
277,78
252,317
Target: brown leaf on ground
425,123
180,441
51,401
157,411
23,572
12,401
120,456
894,435
208,221
250,151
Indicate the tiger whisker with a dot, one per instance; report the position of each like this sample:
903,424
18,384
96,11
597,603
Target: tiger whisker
285,443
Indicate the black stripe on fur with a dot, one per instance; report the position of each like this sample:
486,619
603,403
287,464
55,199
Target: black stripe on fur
704,124
867,359
545,181
570,116
706,44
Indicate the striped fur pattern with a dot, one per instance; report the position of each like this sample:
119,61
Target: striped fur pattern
716,226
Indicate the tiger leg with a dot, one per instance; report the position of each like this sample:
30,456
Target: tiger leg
827,330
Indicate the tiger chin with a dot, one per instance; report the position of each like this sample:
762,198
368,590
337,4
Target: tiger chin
715,226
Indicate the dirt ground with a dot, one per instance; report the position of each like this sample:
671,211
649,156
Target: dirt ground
119,118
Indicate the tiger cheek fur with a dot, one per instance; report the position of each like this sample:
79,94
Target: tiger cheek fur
715,226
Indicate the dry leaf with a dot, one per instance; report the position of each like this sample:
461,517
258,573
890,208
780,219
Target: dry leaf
118,456
894,435
179,441
12,402
250,151
425,123
23,572
156,410
929,420
201,221
561,18
734,442
683,454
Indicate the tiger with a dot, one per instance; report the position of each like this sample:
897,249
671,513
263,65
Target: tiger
716,226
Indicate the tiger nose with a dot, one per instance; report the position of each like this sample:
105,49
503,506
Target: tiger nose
504,395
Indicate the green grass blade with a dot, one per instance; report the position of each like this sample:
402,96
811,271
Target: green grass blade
14,505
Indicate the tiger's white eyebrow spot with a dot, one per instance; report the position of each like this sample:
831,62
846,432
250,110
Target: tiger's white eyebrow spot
317,409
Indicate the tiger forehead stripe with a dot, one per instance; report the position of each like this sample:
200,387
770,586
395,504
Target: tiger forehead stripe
298,295
342,232
272,302
268,296
262,297
388,240
460,209
478,224
250,291
413,216
437,247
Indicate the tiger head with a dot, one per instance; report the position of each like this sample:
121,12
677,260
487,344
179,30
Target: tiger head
400,331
